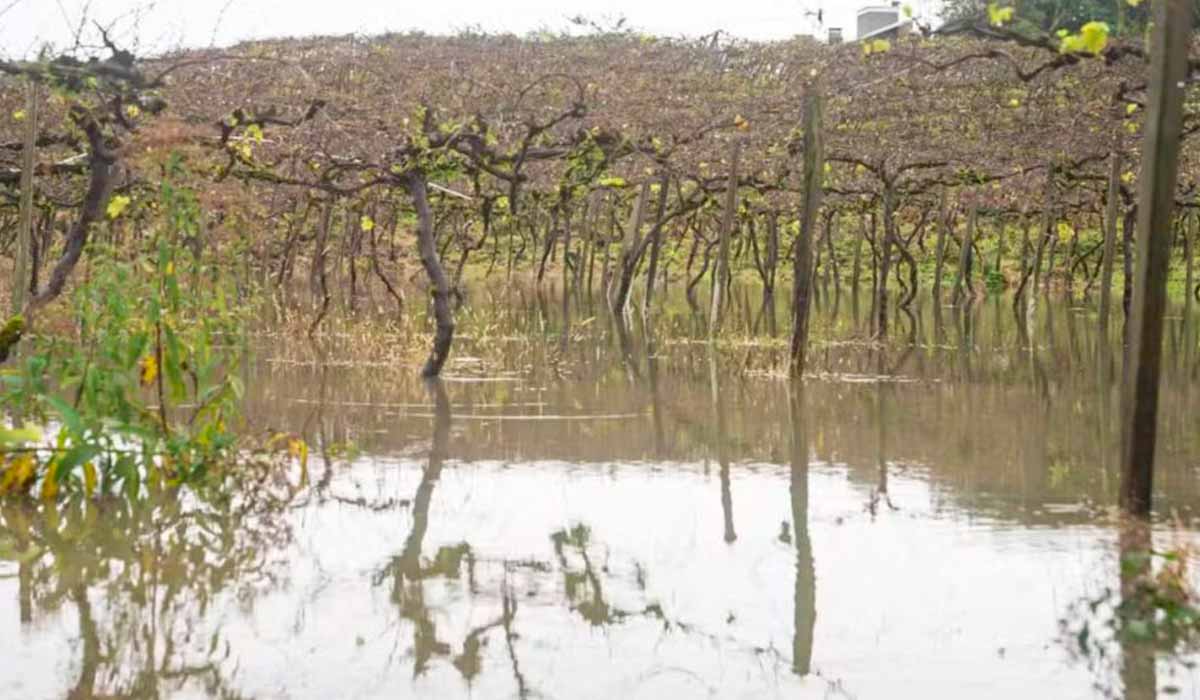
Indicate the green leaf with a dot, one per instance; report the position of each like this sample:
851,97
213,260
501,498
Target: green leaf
18,436
70,418
73,458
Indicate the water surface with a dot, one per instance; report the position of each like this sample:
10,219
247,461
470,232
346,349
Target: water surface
623,514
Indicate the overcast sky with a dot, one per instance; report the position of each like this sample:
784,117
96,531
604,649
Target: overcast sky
157,25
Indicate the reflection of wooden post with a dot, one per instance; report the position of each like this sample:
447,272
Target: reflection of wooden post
1110,244
25,225
814,173
1139,677
1156,204
727,219
804,597
718,404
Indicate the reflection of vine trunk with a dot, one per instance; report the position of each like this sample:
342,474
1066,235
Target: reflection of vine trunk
410,558
86,686
443,316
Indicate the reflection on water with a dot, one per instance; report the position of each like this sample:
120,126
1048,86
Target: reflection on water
635,514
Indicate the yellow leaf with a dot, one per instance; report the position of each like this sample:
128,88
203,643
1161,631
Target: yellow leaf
299,449
149,370
998,16
368,224
1095,36
117,205
19,115
17,475
50,483
1092,38
876,46
89,479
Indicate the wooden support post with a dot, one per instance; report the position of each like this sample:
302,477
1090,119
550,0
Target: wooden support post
1156,204
727,219
814,173
961,282
20,288
1111,212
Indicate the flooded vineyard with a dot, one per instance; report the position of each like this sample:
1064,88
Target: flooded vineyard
608,512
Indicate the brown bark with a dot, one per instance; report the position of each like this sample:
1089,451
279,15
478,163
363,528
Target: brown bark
814,165
427,247
1156,199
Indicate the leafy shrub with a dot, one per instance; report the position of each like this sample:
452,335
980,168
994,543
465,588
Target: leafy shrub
147,389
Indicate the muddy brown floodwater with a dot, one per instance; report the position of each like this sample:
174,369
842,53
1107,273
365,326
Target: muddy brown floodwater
631,516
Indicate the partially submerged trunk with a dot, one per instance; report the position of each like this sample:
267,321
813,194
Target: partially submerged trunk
101,177
655,243
631,250
427,247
